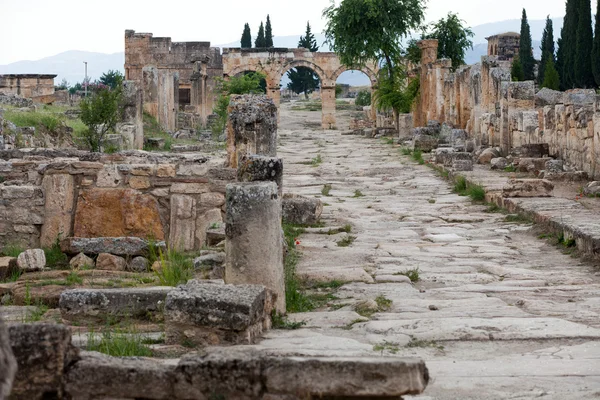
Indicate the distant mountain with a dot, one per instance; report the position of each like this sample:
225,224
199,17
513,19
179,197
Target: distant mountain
69,65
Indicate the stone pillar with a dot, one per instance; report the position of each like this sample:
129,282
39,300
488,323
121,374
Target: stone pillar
59,194
251,127
428,57
328,111
131,126
168,99
150,90
253,168
254,244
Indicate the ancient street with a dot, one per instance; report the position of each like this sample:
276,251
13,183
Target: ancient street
496,312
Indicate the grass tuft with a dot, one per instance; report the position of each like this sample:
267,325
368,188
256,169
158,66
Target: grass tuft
412,274
55,258
326,189
417,155
282,322
358,193
118,343
176,268
347,241
12,250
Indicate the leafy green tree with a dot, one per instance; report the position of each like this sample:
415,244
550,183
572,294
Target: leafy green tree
413,52
246,42
100,113
596,48
547,48
363,98
260,42
302,79
516,70
551,78
268,33
360,31
584,77
397,94
112,79
567,46
453,39
525,51
64,85
249,83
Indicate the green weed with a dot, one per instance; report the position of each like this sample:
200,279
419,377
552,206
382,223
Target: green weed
73,279
176,268
347,241
392,347
282,322
358,193
412,274
460,186
295,298
326,189
383,303
405,151
417,155
476,192
12,250
118,343
55,258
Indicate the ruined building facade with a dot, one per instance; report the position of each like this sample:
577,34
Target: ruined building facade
176,77
504,46
179,79
38,87
494,111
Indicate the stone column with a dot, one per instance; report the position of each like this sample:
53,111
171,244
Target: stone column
328,111
428,57
168,99
131,126
253,244
253,168
251,127
150,90
59,193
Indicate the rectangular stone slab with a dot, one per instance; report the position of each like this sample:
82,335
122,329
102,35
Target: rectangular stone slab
99,304
121,246
242,373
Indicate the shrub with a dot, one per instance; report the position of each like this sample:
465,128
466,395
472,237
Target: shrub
363,98
100,113
118,344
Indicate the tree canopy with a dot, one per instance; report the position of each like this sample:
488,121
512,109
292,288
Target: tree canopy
246,42
112,79
360,31
584,77
525,50
567,45
547,48
453,39
268,33
596,48
302,79
261,41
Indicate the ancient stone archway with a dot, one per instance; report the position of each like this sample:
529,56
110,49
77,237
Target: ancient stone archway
275,62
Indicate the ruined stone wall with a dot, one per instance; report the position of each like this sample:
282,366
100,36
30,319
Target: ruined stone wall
29,86
160,64
494,111
47,193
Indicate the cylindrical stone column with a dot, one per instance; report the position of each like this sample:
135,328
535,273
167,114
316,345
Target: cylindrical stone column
253,168
253,244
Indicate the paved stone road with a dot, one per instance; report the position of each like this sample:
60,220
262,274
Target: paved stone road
497,313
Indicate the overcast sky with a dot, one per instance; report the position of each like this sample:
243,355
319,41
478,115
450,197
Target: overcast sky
33,29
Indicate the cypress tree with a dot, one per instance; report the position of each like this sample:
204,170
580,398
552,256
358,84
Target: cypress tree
547,49
516,71
302,79
567,46
525,53
260,42
246,42
584,76
596,48
551,78
268,33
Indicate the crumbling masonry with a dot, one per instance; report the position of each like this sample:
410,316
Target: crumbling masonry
494,111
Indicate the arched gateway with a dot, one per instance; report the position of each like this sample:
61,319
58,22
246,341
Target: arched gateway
275,62
179,78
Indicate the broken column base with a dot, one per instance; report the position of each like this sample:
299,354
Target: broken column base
217,314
